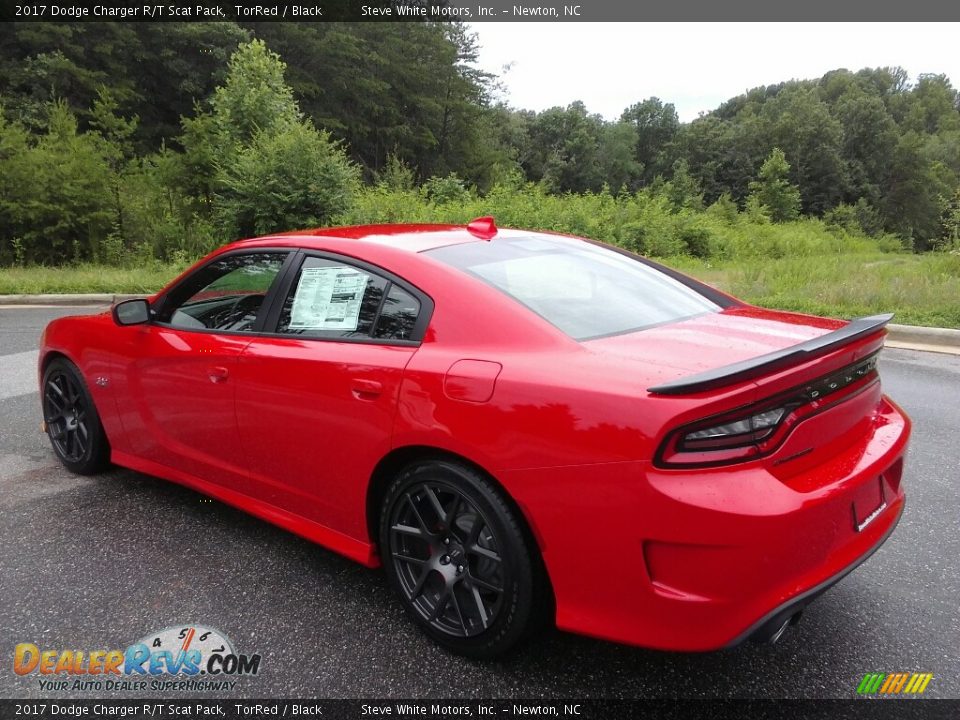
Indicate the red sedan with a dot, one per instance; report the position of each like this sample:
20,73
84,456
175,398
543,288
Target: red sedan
519,426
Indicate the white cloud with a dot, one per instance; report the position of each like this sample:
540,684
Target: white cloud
696,66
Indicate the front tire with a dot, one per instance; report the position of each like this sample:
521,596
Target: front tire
456,555
71,419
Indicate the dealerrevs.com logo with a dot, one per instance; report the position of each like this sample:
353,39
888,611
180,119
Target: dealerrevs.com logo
894,683
188,657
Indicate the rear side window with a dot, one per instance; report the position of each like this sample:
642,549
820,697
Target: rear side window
331,299
585,290
398,317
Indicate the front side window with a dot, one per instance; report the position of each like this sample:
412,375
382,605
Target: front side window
585,290
226,294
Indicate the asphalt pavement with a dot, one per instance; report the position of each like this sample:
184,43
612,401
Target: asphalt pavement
98,563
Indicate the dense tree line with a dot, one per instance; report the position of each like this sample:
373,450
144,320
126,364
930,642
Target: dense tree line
166,139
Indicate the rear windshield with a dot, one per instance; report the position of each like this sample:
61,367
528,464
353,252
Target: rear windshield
587,291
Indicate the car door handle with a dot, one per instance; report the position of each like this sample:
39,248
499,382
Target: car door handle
366,389
218,374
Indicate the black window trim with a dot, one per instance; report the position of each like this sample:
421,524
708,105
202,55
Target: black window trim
287,276
268,299
277,293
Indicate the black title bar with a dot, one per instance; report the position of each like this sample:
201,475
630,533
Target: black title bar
472,708
475,11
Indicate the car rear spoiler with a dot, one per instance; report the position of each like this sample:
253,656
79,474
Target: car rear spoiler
746,369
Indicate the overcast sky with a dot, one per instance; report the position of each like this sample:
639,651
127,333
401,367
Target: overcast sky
696,66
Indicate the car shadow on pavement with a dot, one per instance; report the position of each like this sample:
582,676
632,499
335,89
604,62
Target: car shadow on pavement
328,627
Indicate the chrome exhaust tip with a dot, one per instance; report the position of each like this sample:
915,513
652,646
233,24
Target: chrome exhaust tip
774,629
779,632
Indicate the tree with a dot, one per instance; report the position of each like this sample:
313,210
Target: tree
116,146
706,144
155,70
65,62
951,222
254,163
56,195
366,83
869,138
618,167
911,203
181,62
773,190
800,123
563,149
932,106
273,170
16,183
683,190
294,177
656,124
254,97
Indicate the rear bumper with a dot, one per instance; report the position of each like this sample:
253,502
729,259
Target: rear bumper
767,626
700,559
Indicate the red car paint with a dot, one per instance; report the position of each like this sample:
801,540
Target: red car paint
294,430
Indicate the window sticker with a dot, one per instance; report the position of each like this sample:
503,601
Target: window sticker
328,298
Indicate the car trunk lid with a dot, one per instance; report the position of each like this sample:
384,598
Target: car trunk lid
713,373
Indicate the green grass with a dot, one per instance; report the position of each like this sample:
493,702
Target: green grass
86,278
920,289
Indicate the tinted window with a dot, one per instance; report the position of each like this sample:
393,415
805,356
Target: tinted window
226,294
331,299
585,290
398,315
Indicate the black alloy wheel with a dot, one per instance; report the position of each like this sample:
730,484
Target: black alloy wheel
71,419
457,557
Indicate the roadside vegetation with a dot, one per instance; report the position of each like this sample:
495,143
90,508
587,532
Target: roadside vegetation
805,265
919,289
837,196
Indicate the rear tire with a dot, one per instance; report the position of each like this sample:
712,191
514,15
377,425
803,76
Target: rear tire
72,422
457,556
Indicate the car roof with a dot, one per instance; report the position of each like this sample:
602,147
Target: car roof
413,238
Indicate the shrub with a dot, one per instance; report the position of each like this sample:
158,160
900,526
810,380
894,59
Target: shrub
295,178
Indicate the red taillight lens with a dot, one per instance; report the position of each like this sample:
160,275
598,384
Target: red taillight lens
746,431
758,430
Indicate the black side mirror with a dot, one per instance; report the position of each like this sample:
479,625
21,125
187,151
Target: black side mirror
131,312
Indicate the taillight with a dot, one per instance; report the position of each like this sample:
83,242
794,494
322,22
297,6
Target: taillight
732,434
759,429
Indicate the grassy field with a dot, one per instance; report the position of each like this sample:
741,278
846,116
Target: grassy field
920,289
85,278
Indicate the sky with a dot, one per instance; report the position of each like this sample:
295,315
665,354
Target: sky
696,66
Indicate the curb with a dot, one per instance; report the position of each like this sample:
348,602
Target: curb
912,337
946,340
930,335
66,299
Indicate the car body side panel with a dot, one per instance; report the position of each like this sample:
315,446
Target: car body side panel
362,552
89,343
101,349
315,417
179,395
